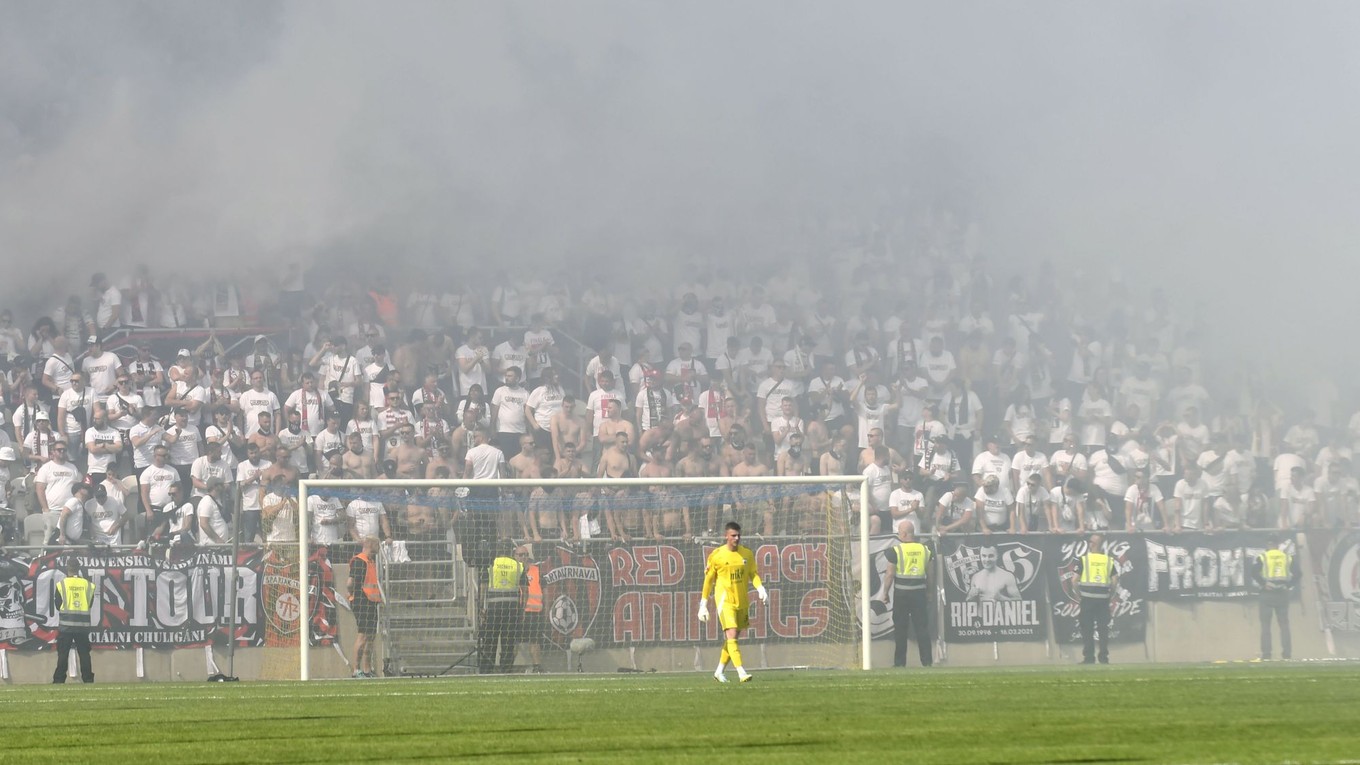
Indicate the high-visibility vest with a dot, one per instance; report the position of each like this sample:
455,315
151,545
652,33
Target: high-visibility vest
533,601
1095,575
371,589
503,584
75,601
912,561
1275,567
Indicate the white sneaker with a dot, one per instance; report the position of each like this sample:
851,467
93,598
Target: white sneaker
744,676
722,678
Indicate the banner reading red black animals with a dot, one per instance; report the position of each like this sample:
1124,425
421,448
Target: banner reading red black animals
154,603
635,594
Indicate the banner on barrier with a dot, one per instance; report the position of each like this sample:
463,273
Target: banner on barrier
648,594
993,588
1199,565
1336,567
1128,607
183,602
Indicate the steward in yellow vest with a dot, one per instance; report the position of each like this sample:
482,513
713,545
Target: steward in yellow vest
909,583
1097,575
73,597
1276,572
502,613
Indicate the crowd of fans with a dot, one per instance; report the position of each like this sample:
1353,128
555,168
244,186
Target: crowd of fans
1049,401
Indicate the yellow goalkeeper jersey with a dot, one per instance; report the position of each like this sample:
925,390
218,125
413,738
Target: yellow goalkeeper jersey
728,576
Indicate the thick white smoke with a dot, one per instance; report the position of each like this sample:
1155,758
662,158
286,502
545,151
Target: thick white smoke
1206,147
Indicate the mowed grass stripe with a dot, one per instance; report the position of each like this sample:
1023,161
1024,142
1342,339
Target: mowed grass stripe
1186,714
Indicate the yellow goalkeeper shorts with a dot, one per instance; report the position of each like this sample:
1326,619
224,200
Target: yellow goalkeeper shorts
730,618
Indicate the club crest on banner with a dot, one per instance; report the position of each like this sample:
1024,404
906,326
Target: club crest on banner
1339,575
572,594
1003,563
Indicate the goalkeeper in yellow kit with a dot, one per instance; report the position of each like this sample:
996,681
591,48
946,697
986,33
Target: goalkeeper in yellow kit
730,571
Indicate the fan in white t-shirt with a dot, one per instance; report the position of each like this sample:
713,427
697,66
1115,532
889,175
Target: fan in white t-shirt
1034,507
997,506
1190,495
367,519
213,528
905,502
71,521
101,367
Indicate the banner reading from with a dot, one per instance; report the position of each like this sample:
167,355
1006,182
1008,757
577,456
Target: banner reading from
1207,565
993,590
1128,607
636,594
155,603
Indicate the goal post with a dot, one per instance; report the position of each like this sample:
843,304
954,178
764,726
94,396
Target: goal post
841,513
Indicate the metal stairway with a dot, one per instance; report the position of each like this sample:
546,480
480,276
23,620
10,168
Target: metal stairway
427,623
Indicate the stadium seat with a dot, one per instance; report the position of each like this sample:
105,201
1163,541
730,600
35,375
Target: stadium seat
34,530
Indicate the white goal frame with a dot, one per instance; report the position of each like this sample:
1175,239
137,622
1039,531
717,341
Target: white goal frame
304,544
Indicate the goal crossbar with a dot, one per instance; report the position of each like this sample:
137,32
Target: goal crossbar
307,484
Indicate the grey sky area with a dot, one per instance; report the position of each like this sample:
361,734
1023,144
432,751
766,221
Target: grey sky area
1209,148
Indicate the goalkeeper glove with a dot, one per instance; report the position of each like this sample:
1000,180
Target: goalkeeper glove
703,611
763,594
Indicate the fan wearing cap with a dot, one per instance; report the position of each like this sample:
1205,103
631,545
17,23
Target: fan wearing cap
183,370
38,445
262,358
192,396
100,366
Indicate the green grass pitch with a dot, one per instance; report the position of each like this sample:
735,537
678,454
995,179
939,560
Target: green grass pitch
1267,713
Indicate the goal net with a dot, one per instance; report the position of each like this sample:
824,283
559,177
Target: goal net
613,573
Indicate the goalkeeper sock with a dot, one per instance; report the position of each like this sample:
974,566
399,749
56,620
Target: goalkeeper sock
723,658
734,653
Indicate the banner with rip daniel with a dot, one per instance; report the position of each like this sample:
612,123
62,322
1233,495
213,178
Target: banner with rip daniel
1128,607
993,591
